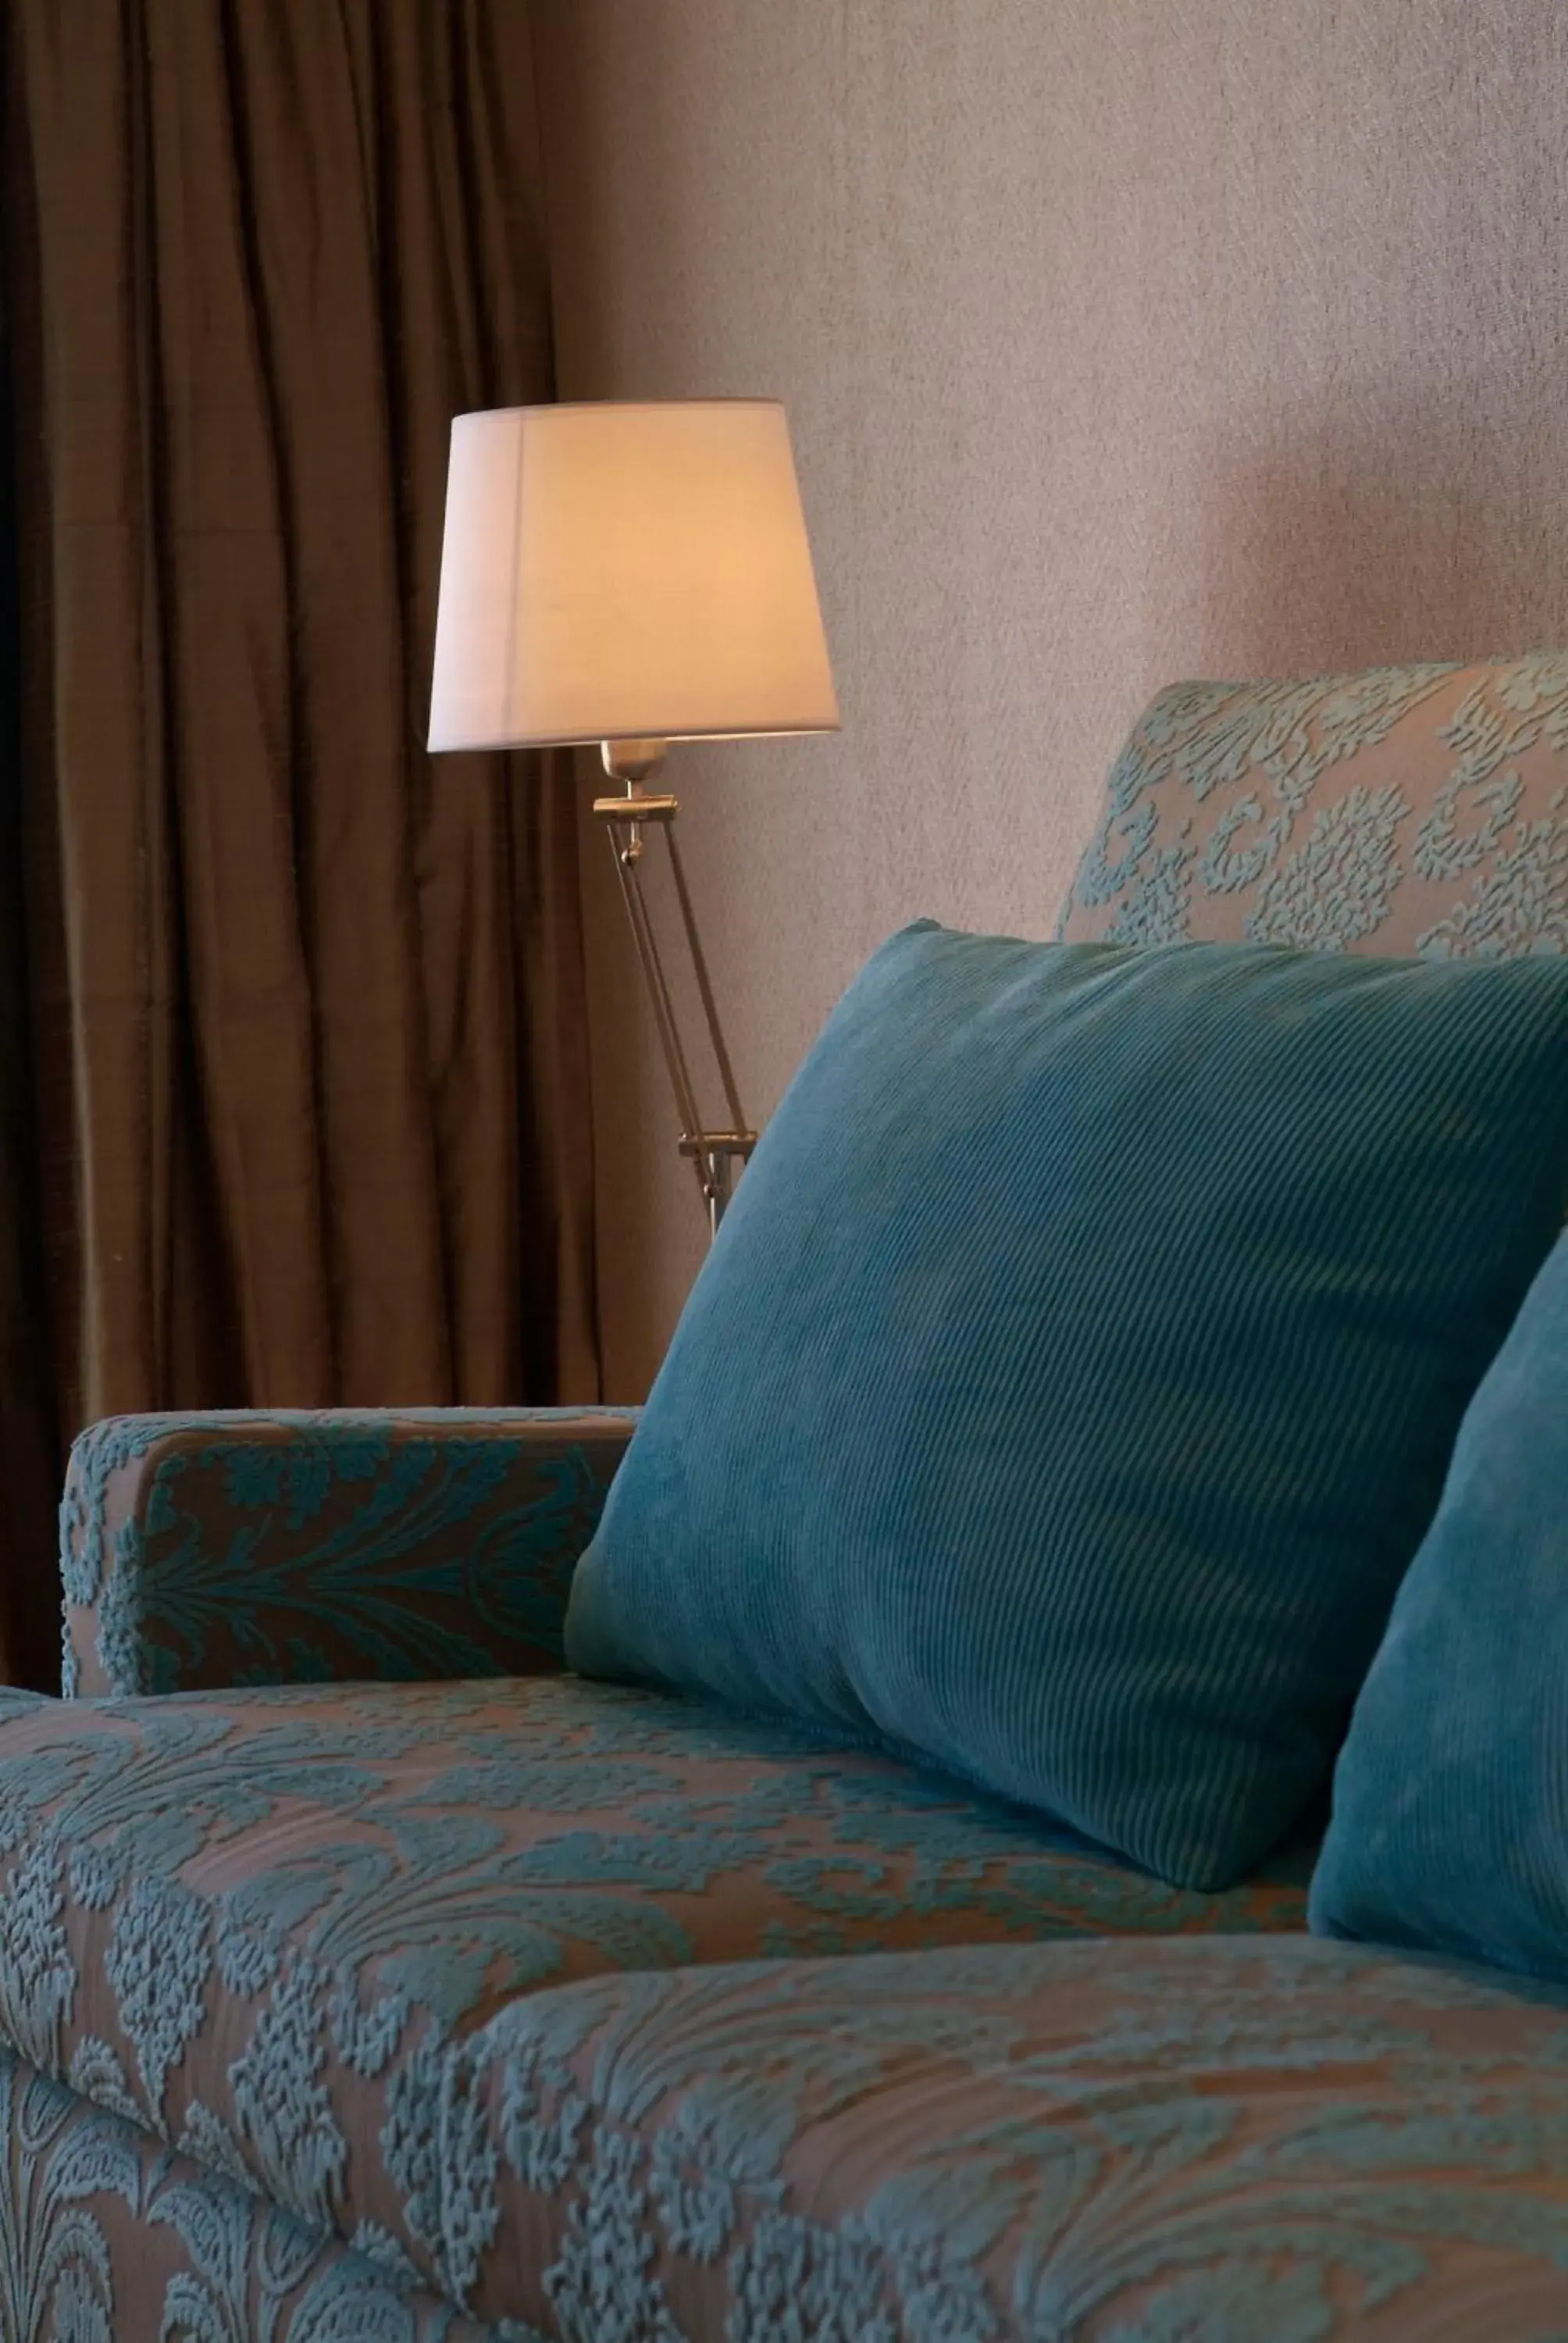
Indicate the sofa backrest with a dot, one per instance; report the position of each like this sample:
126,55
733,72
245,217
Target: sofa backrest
1408,810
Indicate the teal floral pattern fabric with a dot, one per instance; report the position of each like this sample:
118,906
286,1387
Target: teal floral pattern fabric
1262,2141
1408,810
108,2238
1138,2142
258,1926
249,1549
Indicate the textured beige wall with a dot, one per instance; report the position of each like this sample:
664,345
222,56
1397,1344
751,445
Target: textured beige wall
1121,340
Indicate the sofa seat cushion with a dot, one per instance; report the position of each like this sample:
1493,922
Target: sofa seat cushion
997,2144
253,1921
1264,2139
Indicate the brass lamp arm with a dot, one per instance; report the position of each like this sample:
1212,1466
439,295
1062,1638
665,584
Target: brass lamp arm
713,1153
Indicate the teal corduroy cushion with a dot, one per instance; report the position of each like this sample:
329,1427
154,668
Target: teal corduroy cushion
1449,1825
1077,1369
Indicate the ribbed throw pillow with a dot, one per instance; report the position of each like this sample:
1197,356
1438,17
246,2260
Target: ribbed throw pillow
1450,1826
1076,1372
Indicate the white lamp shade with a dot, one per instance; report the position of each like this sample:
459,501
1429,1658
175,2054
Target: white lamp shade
626,571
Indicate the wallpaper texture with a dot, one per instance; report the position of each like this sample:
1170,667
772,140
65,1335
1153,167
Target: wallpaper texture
1119,344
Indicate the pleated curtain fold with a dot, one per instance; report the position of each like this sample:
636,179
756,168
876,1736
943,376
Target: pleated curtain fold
302,1109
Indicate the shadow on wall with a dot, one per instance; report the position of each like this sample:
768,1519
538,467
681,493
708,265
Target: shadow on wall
1415,539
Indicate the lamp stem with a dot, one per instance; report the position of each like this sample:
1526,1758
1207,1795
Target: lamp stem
713,1153
704,984
628,863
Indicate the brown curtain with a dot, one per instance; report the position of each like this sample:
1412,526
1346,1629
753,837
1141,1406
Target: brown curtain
308,1119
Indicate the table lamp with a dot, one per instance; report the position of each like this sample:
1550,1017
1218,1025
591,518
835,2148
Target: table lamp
632,574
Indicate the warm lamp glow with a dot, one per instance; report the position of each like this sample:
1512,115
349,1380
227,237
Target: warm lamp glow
633,575
620,571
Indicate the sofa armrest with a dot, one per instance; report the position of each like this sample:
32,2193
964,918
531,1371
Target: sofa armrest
201,1551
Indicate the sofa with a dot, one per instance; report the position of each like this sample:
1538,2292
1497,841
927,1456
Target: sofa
366,1977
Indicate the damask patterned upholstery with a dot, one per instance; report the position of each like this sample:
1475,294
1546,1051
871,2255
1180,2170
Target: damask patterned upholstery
1272,2141
1409,810
248,1548
108,2238
1154,2143
257,1925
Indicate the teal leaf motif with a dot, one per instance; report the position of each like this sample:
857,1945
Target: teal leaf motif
408,2139
1246,765
469,2163
346,2306
83,2295
1520,905
158,1962
192,2314
379,2246
213,2224
96,2074
56,2272
1337,887
299,1473
711,2158
794,2277
390,1584
289,1545
1227,869
603,2285
283,2110
1156,907
38,1974
209,2142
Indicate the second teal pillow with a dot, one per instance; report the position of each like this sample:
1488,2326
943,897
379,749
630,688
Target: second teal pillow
1076,1370
1450,1829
